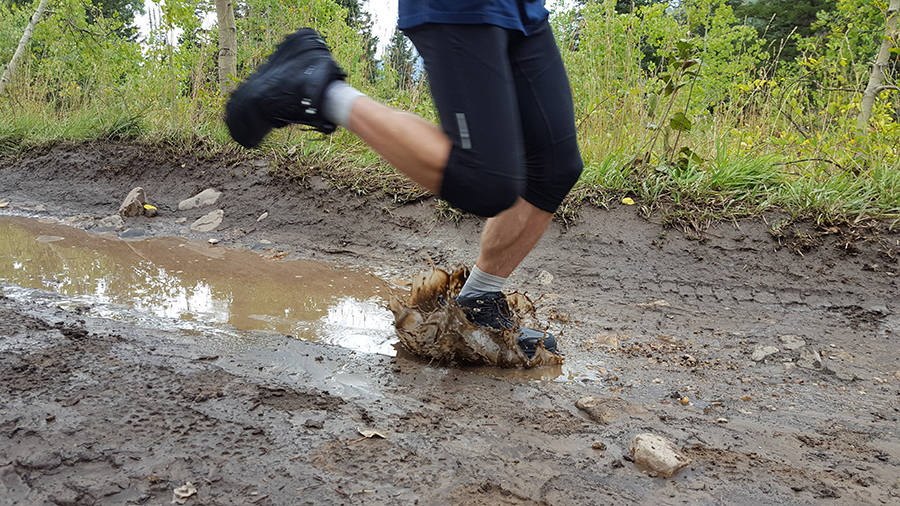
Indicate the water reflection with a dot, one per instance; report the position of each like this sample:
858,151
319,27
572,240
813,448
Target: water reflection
171,278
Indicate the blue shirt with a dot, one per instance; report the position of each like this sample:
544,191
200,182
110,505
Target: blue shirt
524,15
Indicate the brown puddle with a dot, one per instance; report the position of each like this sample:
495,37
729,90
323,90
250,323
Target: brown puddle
199,282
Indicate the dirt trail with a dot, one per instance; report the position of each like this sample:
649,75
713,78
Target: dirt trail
777,373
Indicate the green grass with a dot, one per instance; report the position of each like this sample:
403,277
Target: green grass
760,141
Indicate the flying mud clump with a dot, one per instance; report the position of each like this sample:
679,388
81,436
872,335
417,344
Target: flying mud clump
431,325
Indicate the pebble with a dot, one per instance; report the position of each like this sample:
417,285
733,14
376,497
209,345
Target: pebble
657,453
207,197
208,222
761,352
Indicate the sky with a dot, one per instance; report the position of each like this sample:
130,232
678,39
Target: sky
384,20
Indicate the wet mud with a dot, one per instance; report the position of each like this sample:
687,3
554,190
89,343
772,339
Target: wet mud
767,354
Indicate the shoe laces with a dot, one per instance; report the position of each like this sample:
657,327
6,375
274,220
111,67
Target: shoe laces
491,311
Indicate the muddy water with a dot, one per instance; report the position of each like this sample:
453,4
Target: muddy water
213,290
198,282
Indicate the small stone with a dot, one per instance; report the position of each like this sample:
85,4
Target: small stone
845,375
263,216
208,222
598,446
809,359
545,278
610,340
721,420
214,241
205,198
790,342
133,205
657,453
606,410
181,220
113,221
761,352
685,400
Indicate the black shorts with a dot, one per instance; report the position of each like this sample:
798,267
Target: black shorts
505,101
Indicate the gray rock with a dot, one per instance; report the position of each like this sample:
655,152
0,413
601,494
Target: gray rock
810,359
608,409
133,205
657,453
761,352
207,197
113,221
208,222
839,372
132,233
790,342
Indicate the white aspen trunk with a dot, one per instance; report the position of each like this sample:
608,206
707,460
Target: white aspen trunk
26,36
877,77
228,44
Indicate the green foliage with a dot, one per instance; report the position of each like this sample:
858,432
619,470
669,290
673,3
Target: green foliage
401,59
677,104
780,22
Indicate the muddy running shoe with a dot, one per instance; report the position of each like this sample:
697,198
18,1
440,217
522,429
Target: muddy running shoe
288,88
491,310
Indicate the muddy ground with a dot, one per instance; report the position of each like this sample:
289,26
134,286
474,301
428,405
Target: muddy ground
96,411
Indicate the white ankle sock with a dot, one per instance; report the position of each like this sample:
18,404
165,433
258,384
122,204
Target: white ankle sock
339,98
480,282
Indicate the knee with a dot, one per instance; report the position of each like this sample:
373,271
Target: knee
485,195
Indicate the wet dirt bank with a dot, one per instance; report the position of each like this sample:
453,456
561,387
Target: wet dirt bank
778,374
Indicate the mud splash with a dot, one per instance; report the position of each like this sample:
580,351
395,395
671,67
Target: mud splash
432,326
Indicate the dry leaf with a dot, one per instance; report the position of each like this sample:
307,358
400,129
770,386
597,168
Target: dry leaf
181,494
366,434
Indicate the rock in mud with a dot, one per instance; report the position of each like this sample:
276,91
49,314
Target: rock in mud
810,359
207,197
657,453
113,221
609,409
431,325
208,222
760,353
133,205
791,342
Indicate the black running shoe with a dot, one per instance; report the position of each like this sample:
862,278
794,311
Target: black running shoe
492,310
288,88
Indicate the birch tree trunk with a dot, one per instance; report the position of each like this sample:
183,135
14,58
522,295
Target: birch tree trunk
26,36
877,77
228,44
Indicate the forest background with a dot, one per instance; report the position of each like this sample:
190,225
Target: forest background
702,109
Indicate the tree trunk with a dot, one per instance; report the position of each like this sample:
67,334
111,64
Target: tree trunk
26,36
877,77
228,45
